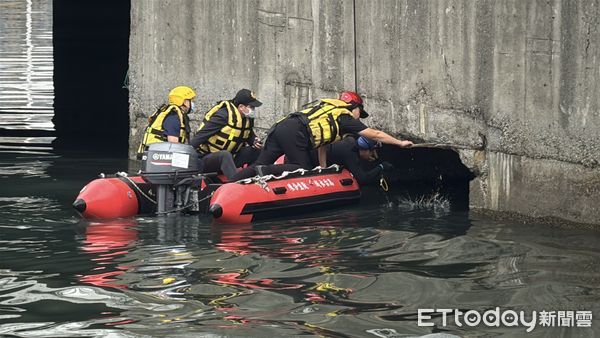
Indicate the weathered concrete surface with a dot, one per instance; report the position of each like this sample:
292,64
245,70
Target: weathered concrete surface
513,83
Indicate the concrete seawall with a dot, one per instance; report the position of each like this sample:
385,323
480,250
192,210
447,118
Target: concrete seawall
514,84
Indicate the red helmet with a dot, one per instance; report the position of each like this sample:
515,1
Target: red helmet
355,100
352,98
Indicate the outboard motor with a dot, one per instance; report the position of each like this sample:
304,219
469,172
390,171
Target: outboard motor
173,168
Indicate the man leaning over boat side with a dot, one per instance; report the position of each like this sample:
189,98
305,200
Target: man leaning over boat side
315,127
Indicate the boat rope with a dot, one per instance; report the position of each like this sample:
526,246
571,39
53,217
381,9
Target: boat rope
262,180
207,197
124,175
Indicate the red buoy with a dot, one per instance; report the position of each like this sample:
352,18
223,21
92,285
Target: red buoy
114,197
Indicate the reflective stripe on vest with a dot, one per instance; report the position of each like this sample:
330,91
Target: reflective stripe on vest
155,132
232,136
322,121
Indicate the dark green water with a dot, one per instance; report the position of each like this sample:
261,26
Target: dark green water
359,271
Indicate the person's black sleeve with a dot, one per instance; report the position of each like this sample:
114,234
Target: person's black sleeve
349,125
251,138
370,176
217,121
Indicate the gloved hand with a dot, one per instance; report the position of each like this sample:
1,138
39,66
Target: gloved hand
386,166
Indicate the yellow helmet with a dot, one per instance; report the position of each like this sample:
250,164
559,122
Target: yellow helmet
181,93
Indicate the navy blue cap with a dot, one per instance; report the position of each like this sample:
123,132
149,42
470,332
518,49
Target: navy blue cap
366,143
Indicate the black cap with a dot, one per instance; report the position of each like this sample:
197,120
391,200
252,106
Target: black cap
247,97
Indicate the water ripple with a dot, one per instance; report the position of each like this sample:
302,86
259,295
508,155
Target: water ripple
359,271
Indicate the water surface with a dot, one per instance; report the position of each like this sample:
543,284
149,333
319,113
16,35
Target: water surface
357,271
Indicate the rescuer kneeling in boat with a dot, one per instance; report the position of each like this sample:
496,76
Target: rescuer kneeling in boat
226,139
314,128
170,123
350,151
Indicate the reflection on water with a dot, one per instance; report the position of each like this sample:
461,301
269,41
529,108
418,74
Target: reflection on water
360,271
26,70
25,145
106,242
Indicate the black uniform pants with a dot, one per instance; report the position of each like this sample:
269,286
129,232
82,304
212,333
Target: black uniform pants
246,155
290,138
221,161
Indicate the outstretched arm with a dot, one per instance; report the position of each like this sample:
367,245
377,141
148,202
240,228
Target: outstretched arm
384,137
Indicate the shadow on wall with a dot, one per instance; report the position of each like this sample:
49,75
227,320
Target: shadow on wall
91,53
426,174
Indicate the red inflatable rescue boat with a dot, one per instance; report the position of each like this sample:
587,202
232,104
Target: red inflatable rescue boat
170,183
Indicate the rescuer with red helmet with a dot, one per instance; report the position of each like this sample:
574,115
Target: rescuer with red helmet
315,127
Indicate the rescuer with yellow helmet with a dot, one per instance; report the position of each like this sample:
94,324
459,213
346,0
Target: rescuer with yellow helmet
314,128
225,139
170,122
